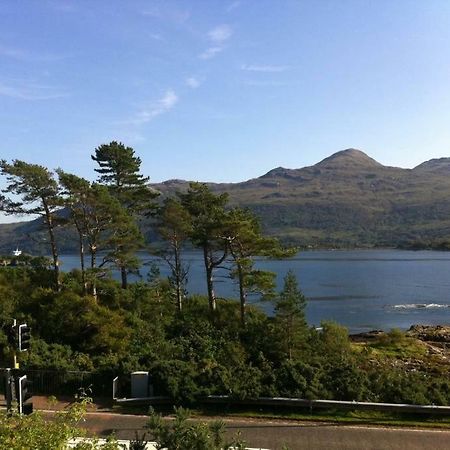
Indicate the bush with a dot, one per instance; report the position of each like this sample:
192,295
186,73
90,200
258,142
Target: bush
19,432
184,435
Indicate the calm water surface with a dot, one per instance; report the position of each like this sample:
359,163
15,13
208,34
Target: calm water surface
361,289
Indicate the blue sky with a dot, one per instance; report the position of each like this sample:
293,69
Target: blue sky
224,90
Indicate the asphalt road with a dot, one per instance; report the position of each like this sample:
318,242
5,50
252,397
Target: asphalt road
296,435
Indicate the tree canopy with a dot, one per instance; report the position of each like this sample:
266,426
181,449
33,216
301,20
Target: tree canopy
38,194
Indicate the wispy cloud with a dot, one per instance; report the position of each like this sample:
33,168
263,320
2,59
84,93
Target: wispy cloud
30,91
156,37
263,68
161,106
263,83
218,37
210,52
220,34
193,82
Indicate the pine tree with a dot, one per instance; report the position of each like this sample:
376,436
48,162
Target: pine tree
174,226
207,215
290,322
124,239
75,191
102,222
119,170
245,241
39,194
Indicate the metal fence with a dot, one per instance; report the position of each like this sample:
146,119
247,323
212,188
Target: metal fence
55,382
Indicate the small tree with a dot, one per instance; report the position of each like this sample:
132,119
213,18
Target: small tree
174,226
39,194
290,319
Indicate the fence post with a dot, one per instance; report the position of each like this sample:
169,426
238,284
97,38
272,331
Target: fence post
115,387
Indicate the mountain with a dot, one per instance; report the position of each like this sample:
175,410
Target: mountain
345,200
441,165
351,158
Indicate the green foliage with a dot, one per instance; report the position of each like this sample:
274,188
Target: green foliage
193,353
245,241
55,357
333,341
139,442
397,344
207,218
39,194
290,324
297,379
187,435
174,226
344,380
119,170
21,432
33,183
393,385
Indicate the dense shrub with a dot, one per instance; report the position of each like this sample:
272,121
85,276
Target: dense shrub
194,352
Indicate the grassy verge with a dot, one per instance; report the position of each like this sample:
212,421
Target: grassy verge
336,416
375,418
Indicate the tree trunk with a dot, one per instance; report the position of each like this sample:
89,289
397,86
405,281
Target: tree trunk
124,277
242,294
81,251
178,276
93,251
209,279
83,269
93,256
49,221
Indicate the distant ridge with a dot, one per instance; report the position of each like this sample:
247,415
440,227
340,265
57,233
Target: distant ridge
435,165
279,172
345,200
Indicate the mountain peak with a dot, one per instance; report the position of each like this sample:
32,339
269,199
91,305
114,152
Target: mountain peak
350,157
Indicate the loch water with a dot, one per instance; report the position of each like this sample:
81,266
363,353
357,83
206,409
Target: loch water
360,289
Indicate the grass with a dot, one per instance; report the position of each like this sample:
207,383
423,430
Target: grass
393,347
375,418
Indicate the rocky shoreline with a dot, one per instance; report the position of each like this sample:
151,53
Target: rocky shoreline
430,333
425,333
434,339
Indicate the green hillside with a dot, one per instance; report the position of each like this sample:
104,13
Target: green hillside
346,200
